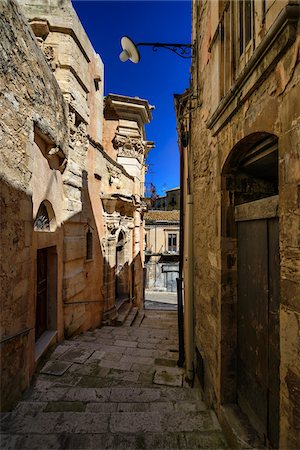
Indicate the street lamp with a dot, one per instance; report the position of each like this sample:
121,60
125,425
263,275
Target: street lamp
130,49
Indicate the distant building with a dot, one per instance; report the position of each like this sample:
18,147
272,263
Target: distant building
162,250
169,201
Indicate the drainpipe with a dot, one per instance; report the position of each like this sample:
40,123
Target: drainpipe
189,262
186,267
180,314
189,294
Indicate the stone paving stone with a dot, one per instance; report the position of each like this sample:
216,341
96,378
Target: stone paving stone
87,395
147,345
189,406
133,407
85,337
112,349
165,362
76,355
136,359
167,378
160,441
97,355
213,440
162,406
65,406
52,394
112,356
140,352
124,343
56,367
143,368
95,382
178,394
122,365
31,442
136,422
92,369
101,407
29,407
123,375
134,394
189,421
146,378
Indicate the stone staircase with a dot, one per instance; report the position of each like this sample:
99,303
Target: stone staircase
127,314
114,388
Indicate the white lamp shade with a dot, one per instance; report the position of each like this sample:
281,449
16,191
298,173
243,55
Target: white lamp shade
130,50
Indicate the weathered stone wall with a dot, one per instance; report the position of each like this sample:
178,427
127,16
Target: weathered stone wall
271,106
51,157
30,97
79,72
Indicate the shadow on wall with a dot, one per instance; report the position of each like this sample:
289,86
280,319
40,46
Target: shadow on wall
37,297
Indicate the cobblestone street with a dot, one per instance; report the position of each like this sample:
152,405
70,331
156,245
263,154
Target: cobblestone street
114,388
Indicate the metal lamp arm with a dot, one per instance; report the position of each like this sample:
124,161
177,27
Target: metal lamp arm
182,50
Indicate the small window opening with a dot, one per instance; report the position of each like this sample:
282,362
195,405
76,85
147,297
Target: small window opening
97,84
89,245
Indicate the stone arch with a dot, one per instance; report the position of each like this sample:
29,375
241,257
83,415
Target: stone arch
45,219
249,176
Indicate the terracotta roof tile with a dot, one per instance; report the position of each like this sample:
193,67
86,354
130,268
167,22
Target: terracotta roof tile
172,216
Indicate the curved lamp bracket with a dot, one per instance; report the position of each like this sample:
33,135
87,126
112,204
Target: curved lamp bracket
130,49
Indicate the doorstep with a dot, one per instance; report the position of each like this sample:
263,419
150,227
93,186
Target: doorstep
44,342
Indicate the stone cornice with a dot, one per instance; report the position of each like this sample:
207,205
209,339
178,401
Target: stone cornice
279,38
129,107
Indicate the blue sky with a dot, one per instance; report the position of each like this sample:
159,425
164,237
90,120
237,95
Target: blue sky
156,77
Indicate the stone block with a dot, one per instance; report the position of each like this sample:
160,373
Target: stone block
136,422
74,248
164,377
129,394
55,367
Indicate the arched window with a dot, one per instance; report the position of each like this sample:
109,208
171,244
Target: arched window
45,218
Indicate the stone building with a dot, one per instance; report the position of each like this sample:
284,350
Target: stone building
72,174
162,250
239,125
169,201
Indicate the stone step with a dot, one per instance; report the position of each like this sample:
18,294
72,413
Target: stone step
139,319
123,313
174,440
156,421
131,317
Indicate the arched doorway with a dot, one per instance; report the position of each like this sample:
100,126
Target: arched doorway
122,283
46,271
250,274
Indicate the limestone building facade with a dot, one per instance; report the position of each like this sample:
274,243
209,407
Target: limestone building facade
239,125
72,176
169,201
162,250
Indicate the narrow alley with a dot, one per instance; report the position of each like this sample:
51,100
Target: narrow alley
114,388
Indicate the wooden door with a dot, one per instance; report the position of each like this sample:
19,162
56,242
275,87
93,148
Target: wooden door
42,293
258,330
